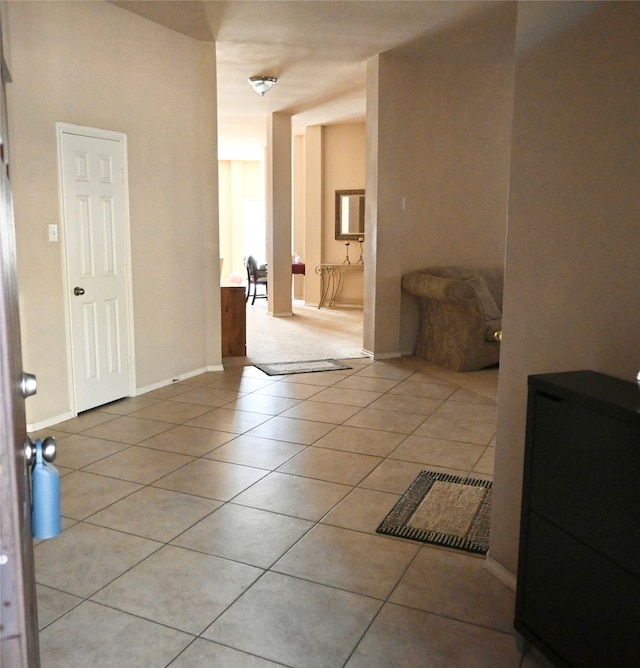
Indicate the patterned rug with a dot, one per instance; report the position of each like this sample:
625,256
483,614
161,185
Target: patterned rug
310,366
443,509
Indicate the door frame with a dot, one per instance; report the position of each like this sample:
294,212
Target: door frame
97,133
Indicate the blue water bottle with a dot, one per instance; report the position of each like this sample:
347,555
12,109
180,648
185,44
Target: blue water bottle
45,507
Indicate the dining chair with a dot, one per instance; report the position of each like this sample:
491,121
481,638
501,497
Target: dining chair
255,276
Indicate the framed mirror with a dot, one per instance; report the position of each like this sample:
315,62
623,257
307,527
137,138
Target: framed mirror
349,214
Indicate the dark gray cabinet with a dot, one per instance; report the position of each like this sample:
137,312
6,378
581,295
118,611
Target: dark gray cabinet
578,593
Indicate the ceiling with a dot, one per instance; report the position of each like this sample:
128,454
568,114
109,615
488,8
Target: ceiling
318,50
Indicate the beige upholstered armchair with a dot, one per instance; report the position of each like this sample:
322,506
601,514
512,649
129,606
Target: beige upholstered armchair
460,315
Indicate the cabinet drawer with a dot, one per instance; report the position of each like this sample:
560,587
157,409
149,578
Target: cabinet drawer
577,606
585,477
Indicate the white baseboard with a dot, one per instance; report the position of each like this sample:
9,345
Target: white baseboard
498,570
352,305
380,356
284,314
174,379
56,419
49,422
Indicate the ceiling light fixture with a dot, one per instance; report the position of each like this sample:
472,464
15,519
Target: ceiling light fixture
261,84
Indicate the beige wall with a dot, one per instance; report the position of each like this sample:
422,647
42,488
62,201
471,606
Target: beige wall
298,241
312,175
93,64
326,159
279,188
573,246
344,169
438,161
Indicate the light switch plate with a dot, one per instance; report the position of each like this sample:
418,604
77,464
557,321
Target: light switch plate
53,233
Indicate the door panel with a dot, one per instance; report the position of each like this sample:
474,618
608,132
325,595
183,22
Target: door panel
96,242
18,608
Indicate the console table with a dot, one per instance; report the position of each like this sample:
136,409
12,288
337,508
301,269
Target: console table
330,278
578,595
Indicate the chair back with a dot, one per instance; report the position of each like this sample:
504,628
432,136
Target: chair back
255,276
252,267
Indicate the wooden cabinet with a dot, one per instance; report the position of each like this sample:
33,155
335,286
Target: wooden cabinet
578,593
234,320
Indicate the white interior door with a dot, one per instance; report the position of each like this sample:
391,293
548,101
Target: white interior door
95,224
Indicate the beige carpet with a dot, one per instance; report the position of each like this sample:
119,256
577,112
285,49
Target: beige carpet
309,334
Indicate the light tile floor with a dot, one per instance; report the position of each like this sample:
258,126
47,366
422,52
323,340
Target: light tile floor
229,520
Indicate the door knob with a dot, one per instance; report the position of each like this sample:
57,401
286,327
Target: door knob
28,384
78,291
29,451
49,450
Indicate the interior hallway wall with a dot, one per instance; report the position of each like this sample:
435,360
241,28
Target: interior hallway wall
298,241
279,193
93,64
313,174
439,130
573,244
326,159
344,169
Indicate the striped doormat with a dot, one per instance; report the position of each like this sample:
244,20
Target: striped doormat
443,509
310,366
